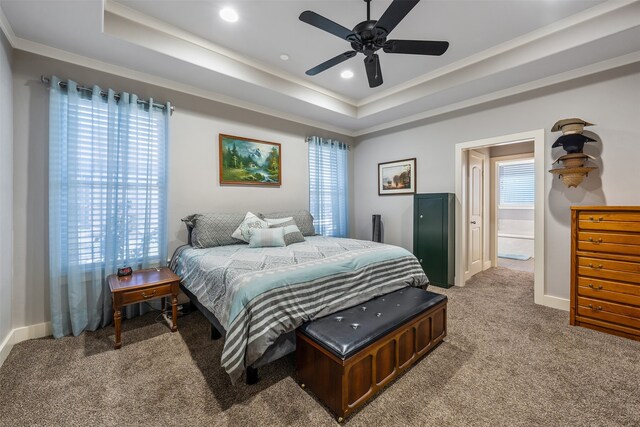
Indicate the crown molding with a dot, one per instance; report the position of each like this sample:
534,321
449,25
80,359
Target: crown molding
589,26
612,18
5,27
556,27
566,76
606,19
140,18
65,56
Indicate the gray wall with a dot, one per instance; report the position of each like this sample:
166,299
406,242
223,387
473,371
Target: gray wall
611,100
193,169
6,187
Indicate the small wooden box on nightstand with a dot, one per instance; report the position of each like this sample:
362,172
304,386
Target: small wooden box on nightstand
140,286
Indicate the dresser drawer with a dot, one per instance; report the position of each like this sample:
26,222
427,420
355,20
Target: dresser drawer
627,244
609,269
609,311
139,295
624,293
613,221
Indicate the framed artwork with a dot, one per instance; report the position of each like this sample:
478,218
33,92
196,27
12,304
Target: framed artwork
245,161
398,177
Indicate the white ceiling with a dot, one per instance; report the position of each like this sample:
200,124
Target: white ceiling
497,48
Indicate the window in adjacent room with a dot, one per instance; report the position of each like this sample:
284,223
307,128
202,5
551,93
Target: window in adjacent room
515,214
516,181
328,186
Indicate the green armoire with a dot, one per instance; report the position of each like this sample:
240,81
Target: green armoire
434,236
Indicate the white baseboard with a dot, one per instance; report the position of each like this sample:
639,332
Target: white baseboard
487,265
24,333
31,332
555,302
5,347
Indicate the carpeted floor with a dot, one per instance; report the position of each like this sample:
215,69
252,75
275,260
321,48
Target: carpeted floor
505,362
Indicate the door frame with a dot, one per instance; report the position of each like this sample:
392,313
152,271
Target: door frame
537,136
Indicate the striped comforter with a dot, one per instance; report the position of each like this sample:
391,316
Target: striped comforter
258,294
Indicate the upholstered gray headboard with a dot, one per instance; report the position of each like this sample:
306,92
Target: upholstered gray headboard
215,229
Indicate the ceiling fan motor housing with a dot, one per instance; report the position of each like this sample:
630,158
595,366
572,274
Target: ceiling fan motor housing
367,38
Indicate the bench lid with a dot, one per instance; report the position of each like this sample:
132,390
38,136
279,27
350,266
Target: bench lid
348,331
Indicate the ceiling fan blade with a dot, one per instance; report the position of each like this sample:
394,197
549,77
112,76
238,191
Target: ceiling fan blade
325,24
395,13
374,73
330,63
416,47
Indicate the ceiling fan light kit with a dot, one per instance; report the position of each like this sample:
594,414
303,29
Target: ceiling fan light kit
369,36
574,167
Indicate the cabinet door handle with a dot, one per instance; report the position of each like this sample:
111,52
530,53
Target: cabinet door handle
592,219
598,308
597,288
598,267
420,260
473,222
595,242
144,295
421,216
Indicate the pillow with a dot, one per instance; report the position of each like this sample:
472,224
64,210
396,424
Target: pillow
276,221
250,221
212,229
302,217
291,231
266,237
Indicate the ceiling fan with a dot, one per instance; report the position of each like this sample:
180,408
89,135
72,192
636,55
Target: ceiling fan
369,36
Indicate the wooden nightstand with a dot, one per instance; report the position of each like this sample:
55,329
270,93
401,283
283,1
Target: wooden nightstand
143,285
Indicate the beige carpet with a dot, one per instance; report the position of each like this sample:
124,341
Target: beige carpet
505,362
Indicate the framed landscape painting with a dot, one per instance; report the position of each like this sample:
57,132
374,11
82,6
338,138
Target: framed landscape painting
245,161
398,177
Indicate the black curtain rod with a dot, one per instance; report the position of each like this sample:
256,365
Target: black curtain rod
46,81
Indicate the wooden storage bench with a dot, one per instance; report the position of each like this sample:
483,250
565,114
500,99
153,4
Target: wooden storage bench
346,357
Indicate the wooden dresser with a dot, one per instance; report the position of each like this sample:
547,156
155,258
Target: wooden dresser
605,269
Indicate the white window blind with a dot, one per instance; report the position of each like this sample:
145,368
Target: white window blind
516,183
328,186
122,181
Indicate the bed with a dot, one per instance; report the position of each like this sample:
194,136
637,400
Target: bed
257,297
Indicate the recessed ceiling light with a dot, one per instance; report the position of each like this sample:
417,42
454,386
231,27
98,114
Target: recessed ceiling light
346,74
229,14
284,57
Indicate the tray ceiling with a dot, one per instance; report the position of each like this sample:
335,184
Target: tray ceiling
496,48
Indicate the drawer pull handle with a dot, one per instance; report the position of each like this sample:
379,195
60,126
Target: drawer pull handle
595,242
596,220
149,295
597,288
598,267
598,308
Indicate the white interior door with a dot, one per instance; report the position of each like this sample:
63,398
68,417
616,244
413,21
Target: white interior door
475,209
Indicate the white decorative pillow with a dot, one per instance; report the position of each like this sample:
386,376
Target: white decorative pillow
250,221
266,237
277,221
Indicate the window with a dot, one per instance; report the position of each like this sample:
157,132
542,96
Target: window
112,183
517,183
107,198
328,186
